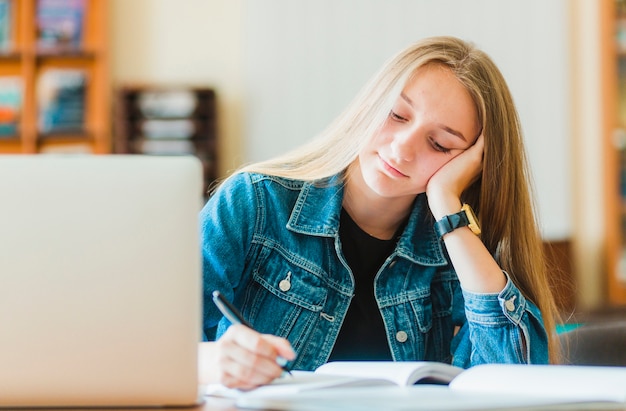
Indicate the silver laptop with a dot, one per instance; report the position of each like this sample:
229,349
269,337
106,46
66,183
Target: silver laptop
99,280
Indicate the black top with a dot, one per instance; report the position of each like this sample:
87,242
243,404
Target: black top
362,335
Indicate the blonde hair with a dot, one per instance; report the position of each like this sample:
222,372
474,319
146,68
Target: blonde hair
501,196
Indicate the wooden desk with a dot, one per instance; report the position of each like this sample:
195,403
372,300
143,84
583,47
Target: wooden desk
211,404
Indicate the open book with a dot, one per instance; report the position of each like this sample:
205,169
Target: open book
350,374
485,386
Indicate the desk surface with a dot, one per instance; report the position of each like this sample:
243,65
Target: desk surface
220,404
414,398
392,400
214,404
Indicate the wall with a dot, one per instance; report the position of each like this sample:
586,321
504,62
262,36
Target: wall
284,68
304,61
193,42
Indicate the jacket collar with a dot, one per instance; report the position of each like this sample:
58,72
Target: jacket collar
317,211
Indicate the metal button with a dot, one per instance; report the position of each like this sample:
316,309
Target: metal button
510,304
392,263
285,283
401,336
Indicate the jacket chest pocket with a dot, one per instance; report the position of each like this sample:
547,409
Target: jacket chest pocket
417,333
286,295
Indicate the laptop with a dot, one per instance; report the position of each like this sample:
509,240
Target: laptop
100,280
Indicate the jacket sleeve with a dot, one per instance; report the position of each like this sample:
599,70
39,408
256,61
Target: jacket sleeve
226,225
501,327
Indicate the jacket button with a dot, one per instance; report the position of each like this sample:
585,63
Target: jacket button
510,304
285,283
401,336
392,263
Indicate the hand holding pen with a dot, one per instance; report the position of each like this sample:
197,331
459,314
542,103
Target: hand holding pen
234,316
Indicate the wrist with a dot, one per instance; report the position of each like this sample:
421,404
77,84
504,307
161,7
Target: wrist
464,218
442,201
441,206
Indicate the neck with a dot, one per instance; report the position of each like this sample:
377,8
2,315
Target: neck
378,216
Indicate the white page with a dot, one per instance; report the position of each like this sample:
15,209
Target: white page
412,398
346,374
297,382
399,372
580,383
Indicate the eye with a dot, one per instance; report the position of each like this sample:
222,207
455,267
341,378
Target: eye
438,146
396,116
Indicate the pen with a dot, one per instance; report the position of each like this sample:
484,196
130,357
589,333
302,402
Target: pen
234,316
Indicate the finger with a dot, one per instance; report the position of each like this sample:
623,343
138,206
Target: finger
473,158
265,345
244,376
249,358
240,370
479,144
480,148
251,346
282,346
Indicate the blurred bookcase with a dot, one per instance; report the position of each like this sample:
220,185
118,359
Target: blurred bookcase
613,79
54,80
168,120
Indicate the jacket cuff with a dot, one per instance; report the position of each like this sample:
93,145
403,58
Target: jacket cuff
508,305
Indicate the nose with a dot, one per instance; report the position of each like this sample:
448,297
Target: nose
405,145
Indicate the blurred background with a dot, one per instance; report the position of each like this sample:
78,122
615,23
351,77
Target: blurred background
235,81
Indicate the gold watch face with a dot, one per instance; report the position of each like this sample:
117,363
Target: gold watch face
471,217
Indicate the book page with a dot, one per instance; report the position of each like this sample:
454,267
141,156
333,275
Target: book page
421,397
567,382
342,374
297,382
398,372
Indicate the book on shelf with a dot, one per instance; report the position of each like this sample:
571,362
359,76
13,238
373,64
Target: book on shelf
11,90
621,91
167,103
60,24
494,384
165,147
6,26
67,149
61,97
168,129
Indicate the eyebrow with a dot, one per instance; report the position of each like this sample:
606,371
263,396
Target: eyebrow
442,126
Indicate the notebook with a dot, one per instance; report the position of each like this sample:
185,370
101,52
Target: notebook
100,280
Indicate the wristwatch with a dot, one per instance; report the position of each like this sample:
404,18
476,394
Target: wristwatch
465,217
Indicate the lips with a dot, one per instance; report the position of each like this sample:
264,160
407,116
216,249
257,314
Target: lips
391,170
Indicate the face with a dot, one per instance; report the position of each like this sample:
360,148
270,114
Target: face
433,121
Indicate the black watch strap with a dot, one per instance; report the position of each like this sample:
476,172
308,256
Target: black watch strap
451,222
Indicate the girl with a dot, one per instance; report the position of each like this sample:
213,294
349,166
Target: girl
363,244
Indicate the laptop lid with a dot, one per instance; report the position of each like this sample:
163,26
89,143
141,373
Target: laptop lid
100,279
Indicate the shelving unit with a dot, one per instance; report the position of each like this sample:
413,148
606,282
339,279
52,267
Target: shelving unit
28,60
613,77
168,120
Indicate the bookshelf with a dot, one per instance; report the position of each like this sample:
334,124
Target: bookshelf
613,80
61,75
168,120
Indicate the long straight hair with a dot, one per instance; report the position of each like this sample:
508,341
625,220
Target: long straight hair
502,195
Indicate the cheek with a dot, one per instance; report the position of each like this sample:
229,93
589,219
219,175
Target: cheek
378,139
427,165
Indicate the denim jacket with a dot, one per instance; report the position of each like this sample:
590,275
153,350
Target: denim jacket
271,245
